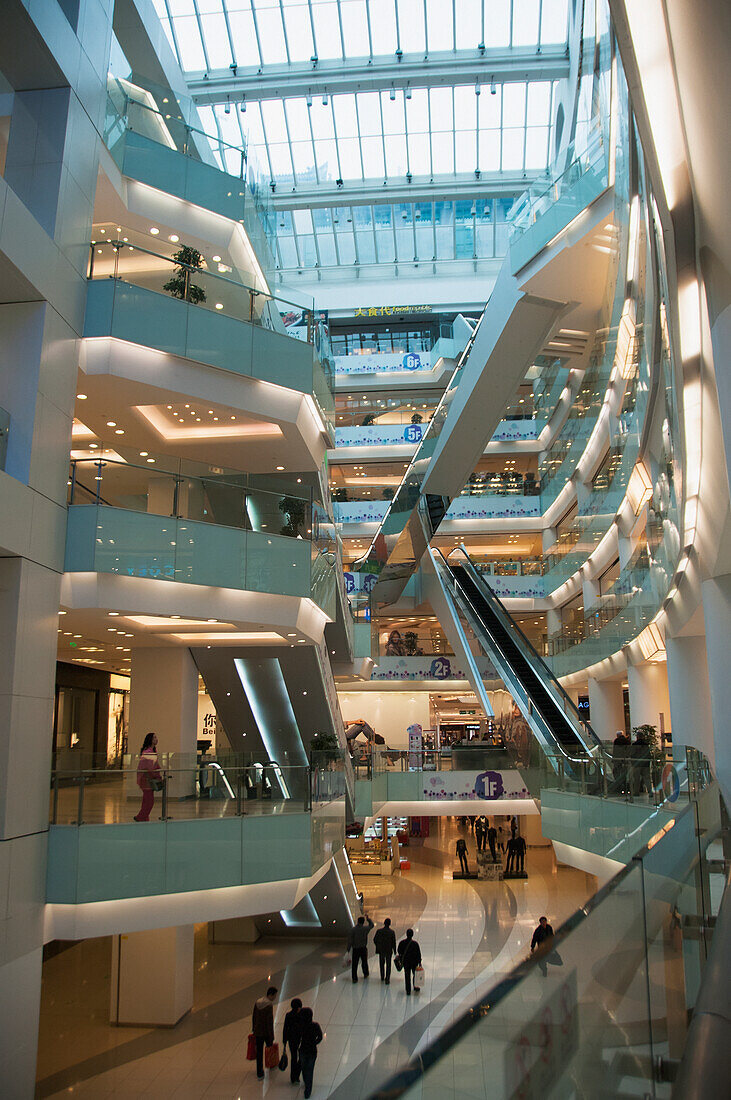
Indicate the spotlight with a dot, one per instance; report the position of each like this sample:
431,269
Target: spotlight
227,108
392,93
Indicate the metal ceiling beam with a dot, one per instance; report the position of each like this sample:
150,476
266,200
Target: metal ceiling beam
366,75
421,189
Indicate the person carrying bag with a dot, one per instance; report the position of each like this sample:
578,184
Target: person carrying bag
262,1027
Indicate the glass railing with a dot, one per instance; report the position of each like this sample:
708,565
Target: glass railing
4,433
602,1006
164,486
87,791
501,485
156,114
185,280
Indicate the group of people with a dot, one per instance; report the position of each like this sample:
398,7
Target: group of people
494,837
407,954
631,764
301,1036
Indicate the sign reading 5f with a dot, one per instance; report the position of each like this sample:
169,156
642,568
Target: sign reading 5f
412,434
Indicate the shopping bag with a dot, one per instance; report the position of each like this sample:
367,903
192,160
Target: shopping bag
398,963
271,1056
251,1048
346,960
419,976
283,1062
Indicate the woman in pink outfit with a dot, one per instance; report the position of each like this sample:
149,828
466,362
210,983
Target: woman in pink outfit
148,770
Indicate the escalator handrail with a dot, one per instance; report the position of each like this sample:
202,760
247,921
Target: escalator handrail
508,623
535,711
512,628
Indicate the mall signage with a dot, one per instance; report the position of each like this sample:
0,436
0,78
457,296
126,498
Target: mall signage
387,361
483,786
391,311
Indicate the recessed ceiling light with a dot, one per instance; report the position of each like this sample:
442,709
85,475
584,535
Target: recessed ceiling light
81,396
280,467
174,238
113,613
151,460
111,423
144,454
119,431
154,230
219,305
216,259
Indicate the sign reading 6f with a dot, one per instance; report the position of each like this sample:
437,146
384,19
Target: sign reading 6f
412,361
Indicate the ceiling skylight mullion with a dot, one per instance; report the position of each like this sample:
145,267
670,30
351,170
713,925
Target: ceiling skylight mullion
454,140
340,25
426,31
413,230
393,230
289,141
266,142
502,114
355,236
454,230
454,25
316,242
335,137
482,22
370,32
284,32
203,37
335,234
375,239
312,28
477,130
360,137
173,33
258,38
539,43
383,136
525,123
512,4
312,140
398,27
428,115
230,36
295,238
406,135
434,229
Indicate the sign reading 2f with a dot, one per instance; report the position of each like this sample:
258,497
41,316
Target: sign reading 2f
412,361
412,434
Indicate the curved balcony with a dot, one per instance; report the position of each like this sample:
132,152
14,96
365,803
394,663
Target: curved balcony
146,298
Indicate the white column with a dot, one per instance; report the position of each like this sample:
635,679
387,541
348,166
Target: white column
606,708
690,695
152,977
649,702
164,700
717,613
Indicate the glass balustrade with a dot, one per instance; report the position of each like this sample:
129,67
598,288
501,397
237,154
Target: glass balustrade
183,489
86,789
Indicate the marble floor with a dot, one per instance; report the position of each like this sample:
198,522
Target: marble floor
471,933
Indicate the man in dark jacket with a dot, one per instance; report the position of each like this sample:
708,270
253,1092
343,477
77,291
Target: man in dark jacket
480,832
462,853
311,1037
492,841
384,942
358,945
262,1025
620,762
291,1035
410,955
542,934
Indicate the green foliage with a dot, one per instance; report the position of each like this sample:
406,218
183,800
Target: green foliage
187,260
411,643
295,509
325,746
417,418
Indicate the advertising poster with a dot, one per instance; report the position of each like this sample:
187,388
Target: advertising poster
383,362
484,786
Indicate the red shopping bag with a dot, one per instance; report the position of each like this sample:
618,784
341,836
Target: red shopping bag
271,1056
251,1048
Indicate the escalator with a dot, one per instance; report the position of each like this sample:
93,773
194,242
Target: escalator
565,738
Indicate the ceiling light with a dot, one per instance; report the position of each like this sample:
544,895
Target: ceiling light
174,238
144,454
81,396
216,259
154,231
111,423
219,305
280,467
111,613
119,431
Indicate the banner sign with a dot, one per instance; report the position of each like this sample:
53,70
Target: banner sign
380,361
390,311
379,435
484,786
428,667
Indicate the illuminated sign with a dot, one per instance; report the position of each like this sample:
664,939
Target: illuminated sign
390,311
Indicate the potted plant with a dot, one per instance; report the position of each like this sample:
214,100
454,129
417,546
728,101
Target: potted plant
411,644
326,747
187,260
417,418
294,508
651,760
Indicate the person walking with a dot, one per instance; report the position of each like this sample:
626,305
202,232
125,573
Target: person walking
358,945
492,841
543,933
311,1037
480,832
291,1036
461,851
262,1025
410,954
384,942
620,762
149,776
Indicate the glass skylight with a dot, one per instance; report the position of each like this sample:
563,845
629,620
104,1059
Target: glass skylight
207,35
